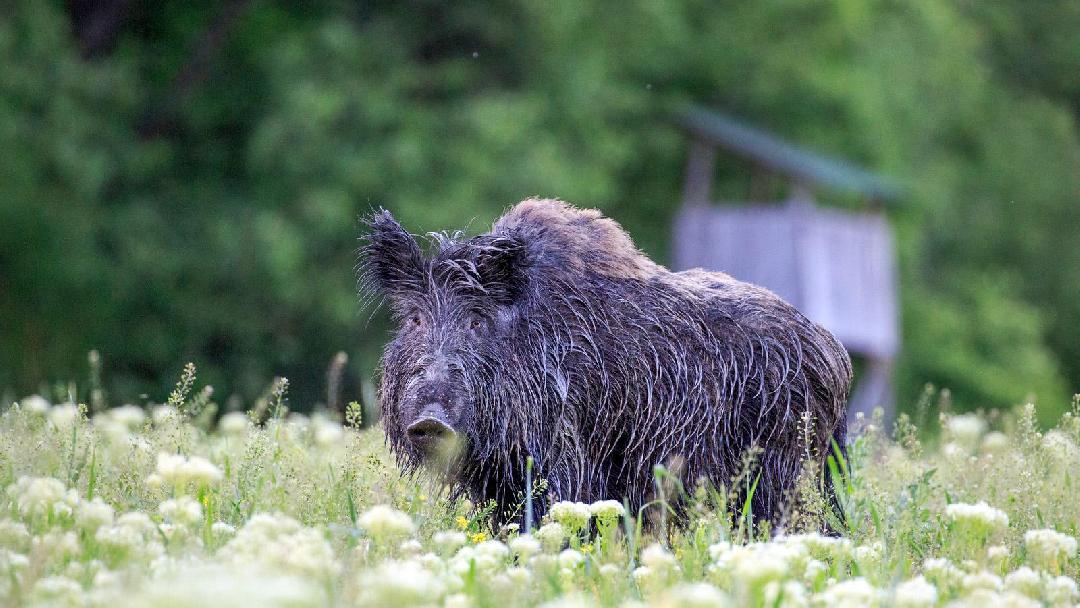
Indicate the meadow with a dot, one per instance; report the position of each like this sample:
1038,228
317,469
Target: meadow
174,505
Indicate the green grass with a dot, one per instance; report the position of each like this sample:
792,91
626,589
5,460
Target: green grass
140,508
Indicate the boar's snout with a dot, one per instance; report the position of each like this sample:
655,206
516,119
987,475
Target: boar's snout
430,429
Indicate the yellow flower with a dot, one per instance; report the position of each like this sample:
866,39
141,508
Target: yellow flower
461,522
587,548
478,538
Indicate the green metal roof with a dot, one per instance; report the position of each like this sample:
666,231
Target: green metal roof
769,150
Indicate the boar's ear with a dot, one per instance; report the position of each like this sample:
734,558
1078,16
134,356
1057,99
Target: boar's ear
501,266
391,263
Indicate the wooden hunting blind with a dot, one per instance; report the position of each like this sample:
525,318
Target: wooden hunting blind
837,266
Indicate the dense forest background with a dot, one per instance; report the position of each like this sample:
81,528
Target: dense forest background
181,180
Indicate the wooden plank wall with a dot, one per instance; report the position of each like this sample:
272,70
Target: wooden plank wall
837,267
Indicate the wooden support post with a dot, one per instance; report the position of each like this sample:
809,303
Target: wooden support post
699,173
874,390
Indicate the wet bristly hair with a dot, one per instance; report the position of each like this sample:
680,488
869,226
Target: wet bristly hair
599,363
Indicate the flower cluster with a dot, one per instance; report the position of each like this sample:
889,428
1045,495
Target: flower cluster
178,470
572,515
42,496
980,518
385,523
1049,548
280,544
302,511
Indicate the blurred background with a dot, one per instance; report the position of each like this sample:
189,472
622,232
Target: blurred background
180,181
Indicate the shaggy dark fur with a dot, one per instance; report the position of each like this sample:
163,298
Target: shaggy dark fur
552,336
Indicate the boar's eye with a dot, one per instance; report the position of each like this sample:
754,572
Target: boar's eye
476,322
414,321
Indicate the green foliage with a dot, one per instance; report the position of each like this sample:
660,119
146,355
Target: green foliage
979,343
225,235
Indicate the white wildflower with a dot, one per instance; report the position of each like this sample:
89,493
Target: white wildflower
500,584
696,595
164,414
91,515
719,550
748,566
853,593
281,544
997,554
35,404
170,467
494,549
385,523
982,598
130,416
1049,548
815,570
432,562
869,556
233,423
942,571
411,547
400,583
915,593
179,471
217,587
327,432
42,496
1024,580
117,435
64,416
611,572
655,556
183,511
171,532
448,541
464,561
57,545
1060,447
202,471
524,546
966,430
981,580
953,451
568,601
57,591
1060,591
570,559
457,600
785,594
14,535
607,511
11,563
650,580
154,481
979,518
484,558
132,536
572,515
995,442
551,536
519,576
222,529
755,564
825,548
